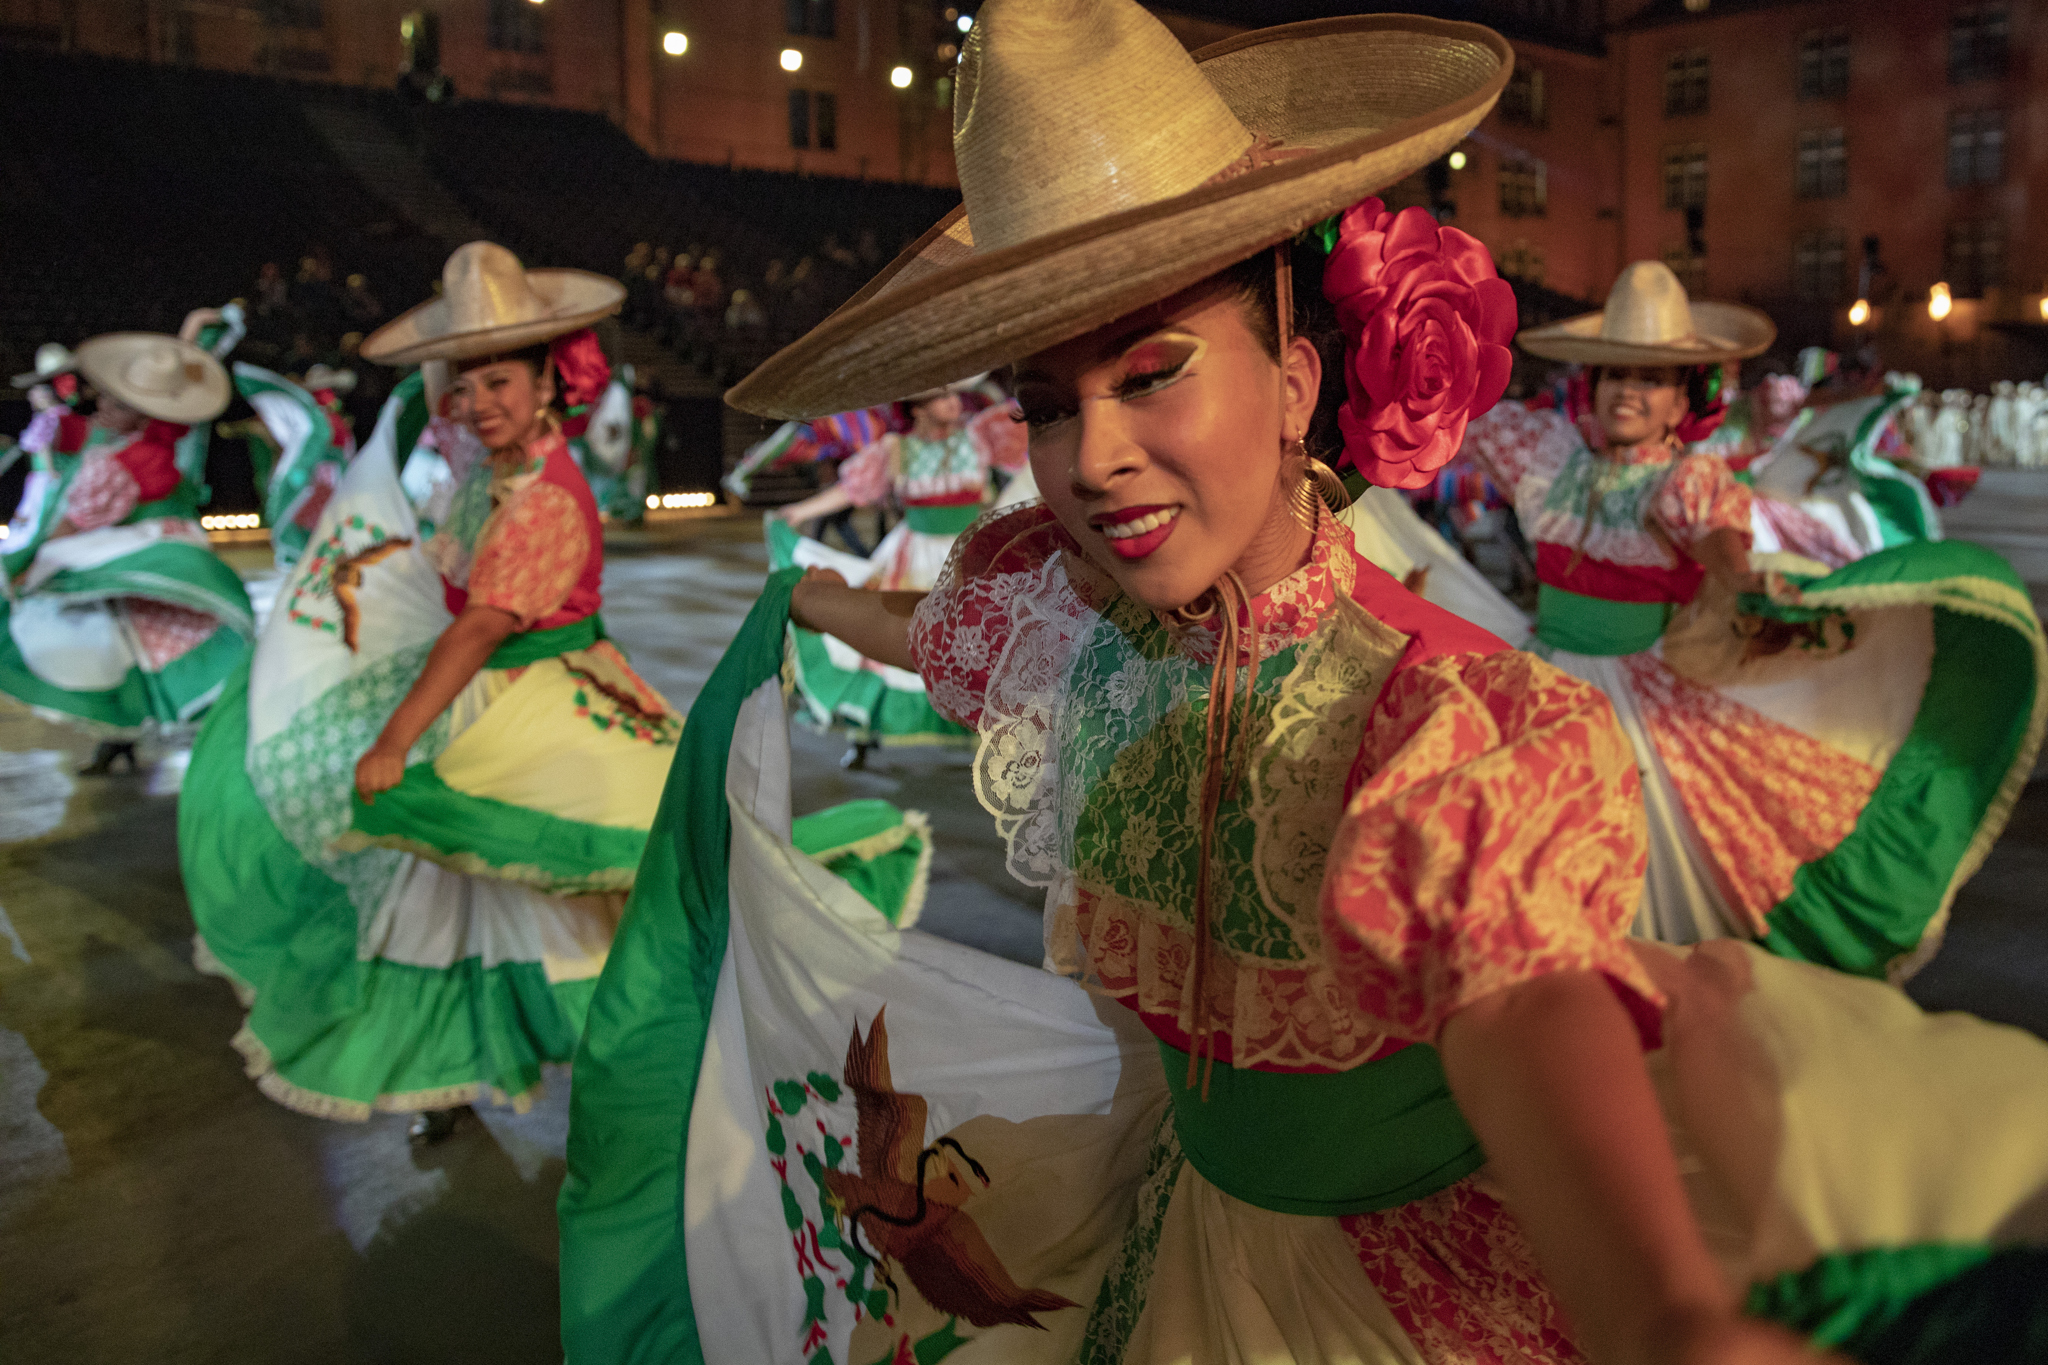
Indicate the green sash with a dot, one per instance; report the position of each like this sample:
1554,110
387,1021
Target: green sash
1325,1144
531,646
942,521
182,502
1594,625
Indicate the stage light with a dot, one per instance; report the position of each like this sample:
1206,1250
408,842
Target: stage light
675,42
1939,302
1859,312
966,22
900,78
231,521
1457,161
2044,308
653,501
792,60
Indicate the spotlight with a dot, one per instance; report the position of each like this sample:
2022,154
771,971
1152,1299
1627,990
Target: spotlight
653,501
792,60
900,78
2044,308
675,42
965,22
1859,312
1457,161
1939,302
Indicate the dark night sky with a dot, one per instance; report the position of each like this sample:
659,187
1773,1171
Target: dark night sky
1570,24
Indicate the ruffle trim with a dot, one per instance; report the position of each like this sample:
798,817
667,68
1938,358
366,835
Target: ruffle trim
1283,1018
257,1063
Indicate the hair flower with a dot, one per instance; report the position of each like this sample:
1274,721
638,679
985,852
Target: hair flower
580,367
1426,324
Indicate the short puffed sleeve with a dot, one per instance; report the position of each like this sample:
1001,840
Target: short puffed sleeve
531,555
864,476
102,493
1495,835
1699,496
1512,442
959,631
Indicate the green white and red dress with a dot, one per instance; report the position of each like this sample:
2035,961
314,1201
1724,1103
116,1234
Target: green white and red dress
439,945
942,487
1822,768
314,445
803,1133
129,623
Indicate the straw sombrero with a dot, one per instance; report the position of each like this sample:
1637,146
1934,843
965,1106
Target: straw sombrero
490,303
1649,320
159,376
1104,169
52,359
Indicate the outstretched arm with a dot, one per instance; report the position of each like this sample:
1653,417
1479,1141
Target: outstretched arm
461,651
820,504
875,623
1550,1075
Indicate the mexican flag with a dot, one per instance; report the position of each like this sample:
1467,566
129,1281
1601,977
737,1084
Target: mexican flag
804,1131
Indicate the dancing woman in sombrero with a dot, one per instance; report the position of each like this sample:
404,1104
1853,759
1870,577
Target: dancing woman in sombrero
940,468
408,834
116,612
1826,754
1356,1064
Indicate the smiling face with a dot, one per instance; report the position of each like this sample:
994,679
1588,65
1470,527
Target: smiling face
1639,404
501,401
1158,441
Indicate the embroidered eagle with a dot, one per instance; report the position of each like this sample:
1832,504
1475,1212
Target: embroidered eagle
907,1201
348,576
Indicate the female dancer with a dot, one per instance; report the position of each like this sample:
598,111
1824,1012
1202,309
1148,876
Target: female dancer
416,820
117,613
1360,1073
1823,766
941,470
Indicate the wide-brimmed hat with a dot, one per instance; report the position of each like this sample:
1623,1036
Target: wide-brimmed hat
1649,320
159,376
490,303
321,375
52,359
1104,169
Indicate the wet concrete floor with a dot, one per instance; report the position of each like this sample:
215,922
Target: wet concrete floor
155,1207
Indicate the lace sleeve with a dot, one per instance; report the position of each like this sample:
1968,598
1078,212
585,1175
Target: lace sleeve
1511,442
865,475
102,493
960,628
1701,496
531,555
1496,835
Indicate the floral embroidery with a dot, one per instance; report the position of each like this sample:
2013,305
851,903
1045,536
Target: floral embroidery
102,493
1091,716
165,632
611,696
1765,798
1497,836
531,554
1461,1280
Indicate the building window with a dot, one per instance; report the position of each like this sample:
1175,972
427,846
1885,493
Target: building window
1818,261
1823,164
518,26
800,118
814,119
292,13
1522,262
1522,101
1977,43
825,120
815,18
1973,257
1685,176
1976,147
1524,188
1690,269
1685,83
1824,64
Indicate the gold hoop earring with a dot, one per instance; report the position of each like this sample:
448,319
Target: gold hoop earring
1319,484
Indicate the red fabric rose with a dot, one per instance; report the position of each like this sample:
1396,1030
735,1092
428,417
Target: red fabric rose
580,368
1426,324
